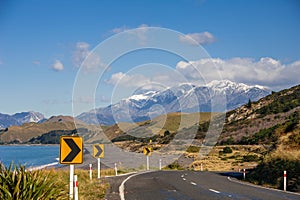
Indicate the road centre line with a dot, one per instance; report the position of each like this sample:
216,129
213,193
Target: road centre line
215,191
193,183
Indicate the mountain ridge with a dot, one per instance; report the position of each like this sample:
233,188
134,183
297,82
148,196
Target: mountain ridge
185,97
18,119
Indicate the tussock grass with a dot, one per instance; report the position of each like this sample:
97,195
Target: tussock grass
17,183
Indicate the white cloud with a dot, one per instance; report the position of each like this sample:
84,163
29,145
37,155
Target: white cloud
120,29
125,80
197,38
83,57
57,66
139,32
266,71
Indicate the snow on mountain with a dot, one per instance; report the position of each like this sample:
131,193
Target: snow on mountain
185,97
20,118
25,117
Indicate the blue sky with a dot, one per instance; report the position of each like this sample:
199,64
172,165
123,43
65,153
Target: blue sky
42,44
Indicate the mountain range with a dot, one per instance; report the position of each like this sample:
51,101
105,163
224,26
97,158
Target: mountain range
182,98
20,118
146,104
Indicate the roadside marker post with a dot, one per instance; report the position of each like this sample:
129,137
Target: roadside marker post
116,169
284,180
244,174
75,188
159,164
201,167
98,152
91,171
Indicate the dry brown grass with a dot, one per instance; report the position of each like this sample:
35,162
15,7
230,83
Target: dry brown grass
88,189
217,161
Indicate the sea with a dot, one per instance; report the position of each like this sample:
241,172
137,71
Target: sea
29,155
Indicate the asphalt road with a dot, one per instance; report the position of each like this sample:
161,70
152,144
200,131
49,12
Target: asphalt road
188,185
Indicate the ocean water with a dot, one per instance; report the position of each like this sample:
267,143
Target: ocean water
30,156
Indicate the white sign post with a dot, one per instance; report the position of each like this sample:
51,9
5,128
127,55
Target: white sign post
71,181
99,168
147,163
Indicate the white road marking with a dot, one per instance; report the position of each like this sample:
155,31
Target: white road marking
182,176
121,188
184,179
215,191
193,183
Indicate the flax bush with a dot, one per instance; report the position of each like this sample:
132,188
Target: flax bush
18,184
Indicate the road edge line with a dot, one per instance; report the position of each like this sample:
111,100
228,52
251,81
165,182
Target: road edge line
122,186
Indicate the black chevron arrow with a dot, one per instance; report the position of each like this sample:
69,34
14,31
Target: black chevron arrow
99,151
148,151
74,150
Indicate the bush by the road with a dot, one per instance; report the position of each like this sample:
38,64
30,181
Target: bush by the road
18,184
270,172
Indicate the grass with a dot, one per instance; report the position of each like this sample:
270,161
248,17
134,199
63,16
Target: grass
88,189
17,183
219,161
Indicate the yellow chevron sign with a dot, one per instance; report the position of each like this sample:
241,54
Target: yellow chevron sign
98,151
71,150
147,151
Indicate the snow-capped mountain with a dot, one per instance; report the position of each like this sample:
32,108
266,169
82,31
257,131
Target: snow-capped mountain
20,118
182,98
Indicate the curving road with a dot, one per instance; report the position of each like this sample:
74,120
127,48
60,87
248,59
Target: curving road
189,185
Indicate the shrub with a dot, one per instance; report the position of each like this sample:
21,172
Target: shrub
174,166
251,158
227,150
270,172
193,149
18,184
